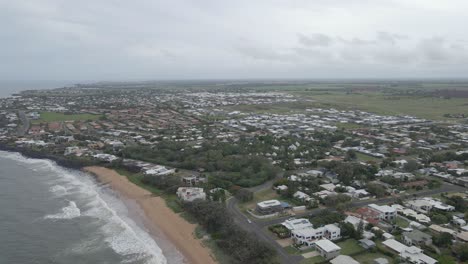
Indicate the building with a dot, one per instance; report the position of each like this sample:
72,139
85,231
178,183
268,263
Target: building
193,180
385,212
308,236
366,243
297,224
367,214
327,249
269,207
343,259
355,221
411,254
189,194
416,238
440,229
426,204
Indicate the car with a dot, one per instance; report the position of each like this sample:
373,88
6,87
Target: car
250,221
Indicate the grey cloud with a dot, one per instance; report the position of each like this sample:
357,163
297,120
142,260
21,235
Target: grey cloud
106,39
316,39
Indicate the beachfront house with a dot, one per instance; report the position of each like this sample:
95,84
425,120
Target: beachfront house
189,194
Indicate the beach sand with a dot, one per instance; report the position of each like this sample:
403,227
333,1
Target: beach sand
159,216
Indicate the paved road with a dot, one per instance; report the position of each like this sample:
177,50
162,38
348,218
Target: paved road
258,227
24,127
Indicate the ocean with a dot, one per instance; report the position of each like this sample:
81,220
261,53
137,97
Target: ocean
7,88
49,214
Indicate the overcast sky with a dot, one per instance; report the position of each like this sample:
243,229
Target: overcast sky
202,39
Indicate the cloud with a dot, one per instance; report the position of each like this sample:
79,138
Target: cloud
150,39
316,39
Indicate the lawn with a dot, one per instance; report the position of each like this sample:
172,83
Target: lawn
313,260
55,117
263,195
401,222
349,247
368,258
364,157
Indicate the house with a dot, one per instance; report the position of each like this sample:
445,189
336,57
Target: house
440,229
411,254
302,196
269,207
426,204
366,243
463,236
380,261
385,212
415,255
355,221
343,259
308,236
327,249
193,180
297,224
416,238
368,215
189,194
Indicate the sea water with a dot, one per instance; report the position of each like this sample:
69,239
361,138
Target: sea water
49,214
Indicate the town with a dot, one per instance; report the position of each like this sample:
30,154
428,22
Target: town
316,183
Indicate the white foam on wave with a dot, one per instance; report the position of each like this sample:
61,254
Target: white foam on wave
68,212
121,233
58,190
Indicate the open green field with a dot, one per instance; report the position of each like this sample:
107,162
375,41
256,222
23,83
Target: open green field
56,117
368,258
350,247
424,107
316,259
364,157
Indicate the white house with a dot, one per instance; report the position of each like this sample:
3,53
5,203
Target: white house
308,236
327,249
189,194
385,212
343,259
297,224
411,254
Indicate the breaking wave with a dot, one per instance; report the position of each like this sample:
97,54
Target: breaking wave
99,207
68,212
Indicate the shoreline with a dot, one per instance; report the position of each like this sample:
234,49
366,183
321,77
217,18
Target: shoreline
158,217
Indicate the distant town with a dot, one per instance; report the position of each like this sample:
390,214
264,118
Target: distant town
311,179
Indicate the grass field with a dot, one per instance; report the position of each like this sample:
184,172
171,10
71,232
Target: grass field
316,259
55,117
349,247
364,157
368,258
401,222
424,107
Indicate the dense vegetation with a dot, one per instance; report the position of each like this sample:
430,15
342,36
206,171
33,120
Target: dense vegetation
225,163
240,245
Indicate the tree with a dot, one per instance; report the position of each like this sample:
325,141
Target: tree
350,155
439,219
461,250
442,240
376,189
411,166
244,195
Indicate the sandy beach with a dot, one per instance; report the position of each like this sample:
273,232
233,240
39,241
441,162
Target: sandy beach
160,217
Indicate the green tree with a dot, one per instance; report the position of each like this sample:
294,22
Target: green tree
442,240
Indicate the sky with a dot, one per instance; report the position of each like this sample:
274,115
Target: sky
242,39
